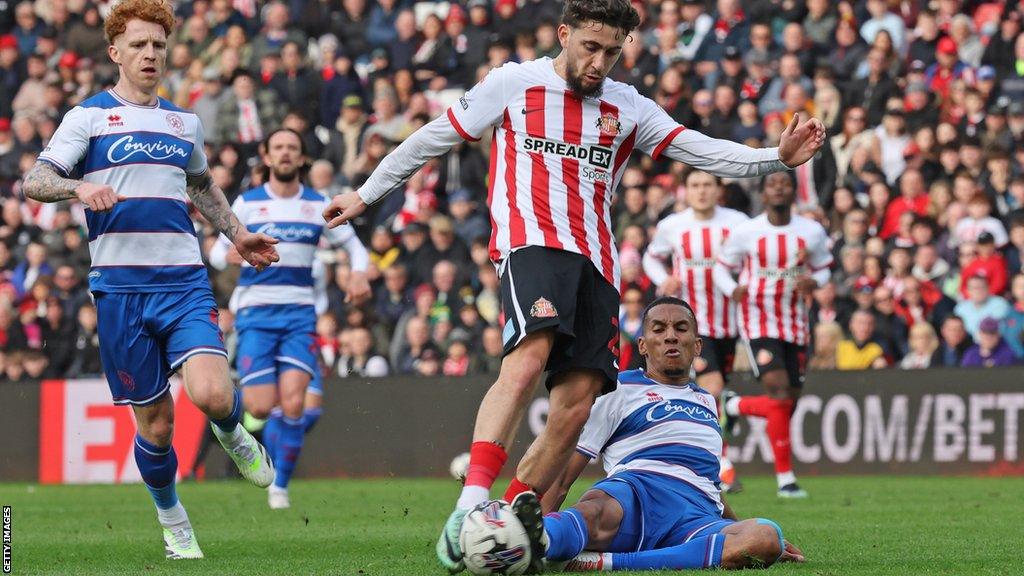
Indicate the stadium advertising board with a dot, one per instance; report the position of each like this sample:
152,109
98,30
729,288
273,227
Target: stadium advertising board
83,438
881,422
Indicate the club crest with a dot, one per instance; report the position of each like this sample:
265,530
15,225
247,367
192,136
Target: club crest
543,308
609,125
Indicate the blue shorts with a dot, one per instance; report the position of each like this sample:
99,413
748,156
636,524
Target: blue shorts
273,339
145,337
658,511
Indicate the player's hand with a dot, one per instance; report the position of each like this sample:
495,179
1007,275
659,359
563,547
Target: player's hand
358,290
806,285
800,141
343,208
233,257
671,287
791,553
739,293
98,197
257,249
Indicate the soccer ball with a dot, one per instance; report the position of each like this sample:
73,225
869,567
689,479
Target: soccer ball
494,541
459,466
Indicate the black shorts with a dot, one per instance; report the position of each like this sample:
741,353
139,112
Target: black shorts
544,288
716,355
769,354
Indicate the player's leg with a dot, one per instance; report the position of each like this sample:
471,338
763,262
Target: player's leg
776,406
194,345
135,371
598,522
292,435
535,297
313,404
713,367
585,368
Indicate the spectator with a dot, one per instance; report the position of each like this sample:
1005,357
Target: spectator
955,342
457,362
297,86
860,351
31,269
979,221
87,346
327,342
361,361
417,347
248,113
828,308
921,301
989,264
827,336
913,198
58,334
469,223
1013,324
980,304
924,346
276,32
991,350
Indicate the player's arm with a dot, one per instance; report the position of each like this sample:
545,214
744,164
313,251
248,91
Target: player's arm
358,289
654,263
660,134
555,496
257,249
479,108
819,262
49,180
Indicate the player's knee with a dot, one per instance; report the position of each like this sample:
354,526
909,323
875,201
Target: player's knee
213,400
159,432
757,546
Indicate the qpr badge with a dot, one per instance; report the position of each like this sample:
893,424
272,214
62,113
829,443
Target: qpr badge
176,123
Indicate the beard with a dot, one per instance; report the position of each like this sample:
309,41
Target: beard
286,176
575,82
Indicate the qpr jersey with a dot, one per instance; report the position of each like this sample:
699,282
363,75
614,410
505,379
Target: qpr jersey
646,426
556,158
769,260
693,245
147,243
298,225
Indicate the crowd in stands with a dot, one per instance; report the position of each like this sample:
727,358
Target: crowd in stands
920,184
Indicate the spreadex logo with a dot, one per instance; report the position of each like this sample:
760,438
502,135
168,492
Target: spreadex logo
598,156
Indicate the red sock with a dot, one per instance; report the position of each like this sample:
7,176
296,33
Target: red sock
517,487
485,462
778,434
756,406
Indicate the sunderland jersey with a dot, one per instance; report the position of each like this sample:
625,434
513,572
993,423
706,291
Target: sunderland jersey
693,246
556,158
668,430
148,242
769,260
298,225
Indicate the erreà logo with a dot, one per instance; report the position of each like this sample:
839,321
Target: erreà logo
598,156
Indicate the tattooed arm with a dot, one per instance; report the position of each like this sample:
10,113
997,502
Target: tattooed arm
43,183
256,249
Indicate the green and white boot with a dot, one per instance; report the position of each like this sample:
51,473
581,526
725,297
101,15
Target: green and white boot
449,551
180,543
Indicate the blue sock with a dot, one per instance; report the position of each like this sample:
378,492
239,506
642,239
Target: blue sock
312,416
567,534
289,445
702,552
271,434
228,423
158,467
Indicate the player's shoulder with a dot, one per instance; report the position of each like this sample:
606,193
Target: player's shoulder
676,219
730,215
256,194
169,106
101,100
808,224
310,195
635,378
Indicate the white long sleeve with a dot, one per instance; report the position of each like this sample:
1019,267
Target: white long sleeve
723,157
723,279
219,253
822,276
655,269
358,257
430,141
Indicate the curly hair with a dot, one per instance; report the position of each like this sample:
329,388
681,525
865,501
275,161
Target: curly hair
155,11
618,13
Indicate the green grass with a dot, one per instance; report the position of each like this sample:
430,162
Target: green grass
849,526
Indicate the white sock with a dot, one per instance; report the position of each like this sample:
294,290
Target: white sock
229,439
172,517
785,478
471,496
277,489
732,407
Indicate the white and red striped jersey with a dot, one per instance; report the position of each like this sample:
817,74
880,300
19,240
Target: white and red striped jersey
693,246
770,259
556,158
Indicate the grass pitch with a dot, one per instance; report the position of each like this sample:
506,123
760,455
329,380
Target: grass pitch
849,526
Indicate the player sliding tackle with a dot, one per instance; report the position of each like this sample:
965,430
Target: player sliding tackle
660,506
141,159
562,133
